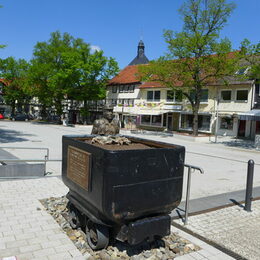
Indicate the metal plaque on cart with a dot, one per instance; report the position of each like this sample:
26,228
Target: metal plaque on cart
79,165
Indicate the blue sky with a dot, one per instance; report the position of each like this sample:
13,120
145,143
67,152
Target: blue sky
115,26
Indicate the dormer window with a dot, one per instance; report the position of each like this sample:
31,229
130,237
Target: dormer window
242,71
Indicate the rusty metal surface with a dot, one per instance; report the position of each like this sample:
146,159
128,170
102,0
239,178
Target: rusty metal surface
79,167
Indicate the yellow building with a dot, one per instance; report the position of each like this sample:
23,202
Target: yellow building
232,109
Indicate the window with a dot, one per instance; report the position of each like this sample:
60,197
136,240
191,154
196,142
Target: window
186,121
178,96
226,95
226,123
203,95
157,120
242,95
170,96
145,119
131,88
257,89
242,71
114,102
203,122
121,89
154,95
114,89
126,102
174,96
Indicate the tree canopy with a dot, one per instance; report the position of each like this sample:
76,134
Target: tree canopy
196,56
65,67
250,53
14,72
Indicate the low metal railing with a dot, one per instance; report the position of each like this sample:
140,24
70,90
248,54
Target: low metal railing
45,160
190,168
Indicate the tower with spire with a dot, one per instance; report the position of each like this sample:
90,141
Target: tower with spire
140,58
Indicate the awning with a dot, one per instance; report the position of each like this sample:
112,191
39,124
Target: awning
152,112
199,113
252,115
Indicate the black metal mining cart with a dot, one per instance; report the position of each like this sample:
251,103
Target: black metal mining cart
122,194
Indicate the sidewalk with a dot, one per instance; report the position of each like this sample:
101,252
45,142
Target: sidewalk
29,232
231,228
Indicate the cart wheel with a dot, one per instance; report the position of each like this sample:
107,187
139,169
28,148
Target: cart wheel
97,235
74,219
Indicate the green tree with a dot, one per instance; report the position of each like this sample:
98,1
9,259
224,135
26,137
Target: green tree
14,72
250,54
64,67
196,56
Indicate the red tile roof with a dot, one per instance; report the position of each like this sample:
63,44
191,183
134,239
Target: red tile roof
129,75
126,76
151,85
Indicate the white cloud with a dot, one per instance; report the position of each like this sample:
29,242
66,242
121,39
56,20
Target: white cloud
94,48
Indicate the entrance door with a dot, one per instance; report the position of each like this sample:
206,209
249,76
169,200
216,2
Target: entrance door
242,128
257,128
169,122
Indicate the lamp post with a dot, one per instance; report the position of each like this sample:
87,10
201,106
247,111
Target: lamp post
216,127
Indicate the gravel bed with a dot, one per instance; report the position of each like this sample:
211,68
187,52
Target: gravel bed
167,248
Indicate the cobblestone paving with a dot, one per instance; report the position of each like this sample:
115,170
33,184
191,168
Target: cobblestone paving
232,227
26,230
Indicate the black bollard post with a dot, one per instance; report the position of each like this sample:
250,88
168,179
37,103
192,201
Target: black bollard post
249,185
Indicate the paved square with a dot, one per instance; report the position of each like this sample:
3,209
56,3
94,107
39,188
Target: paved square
231,227
26,229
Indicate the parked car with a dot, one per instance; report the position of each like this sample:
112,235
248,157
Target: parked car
2,116
20,117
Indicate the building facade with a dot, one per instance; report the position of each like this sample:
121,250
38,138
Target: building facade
232,109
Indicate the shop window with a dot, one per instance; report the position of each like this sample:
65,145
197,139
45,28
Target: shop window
145,119
154,95
226,123
114,89
203,122
242,95
157,120
226,95
186,121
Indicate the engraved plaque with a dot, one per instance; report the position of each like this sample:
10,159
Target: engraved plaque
79,166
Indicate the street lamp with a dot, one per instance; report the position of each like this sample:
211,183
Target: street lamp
216,127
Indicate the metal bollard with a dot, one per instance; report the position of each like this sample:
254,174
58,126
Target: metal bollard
249,185
187,196
187,202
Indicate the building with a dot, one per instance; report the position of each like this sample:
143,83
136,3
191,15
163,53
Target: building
228,110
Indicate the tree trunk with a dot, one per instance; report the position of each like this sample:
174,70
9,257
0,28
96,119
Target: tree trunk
43,112
196,119
13,107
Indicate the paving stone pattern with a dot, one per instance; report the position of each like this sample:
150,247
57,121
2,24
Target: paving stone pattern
231,227
26,230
